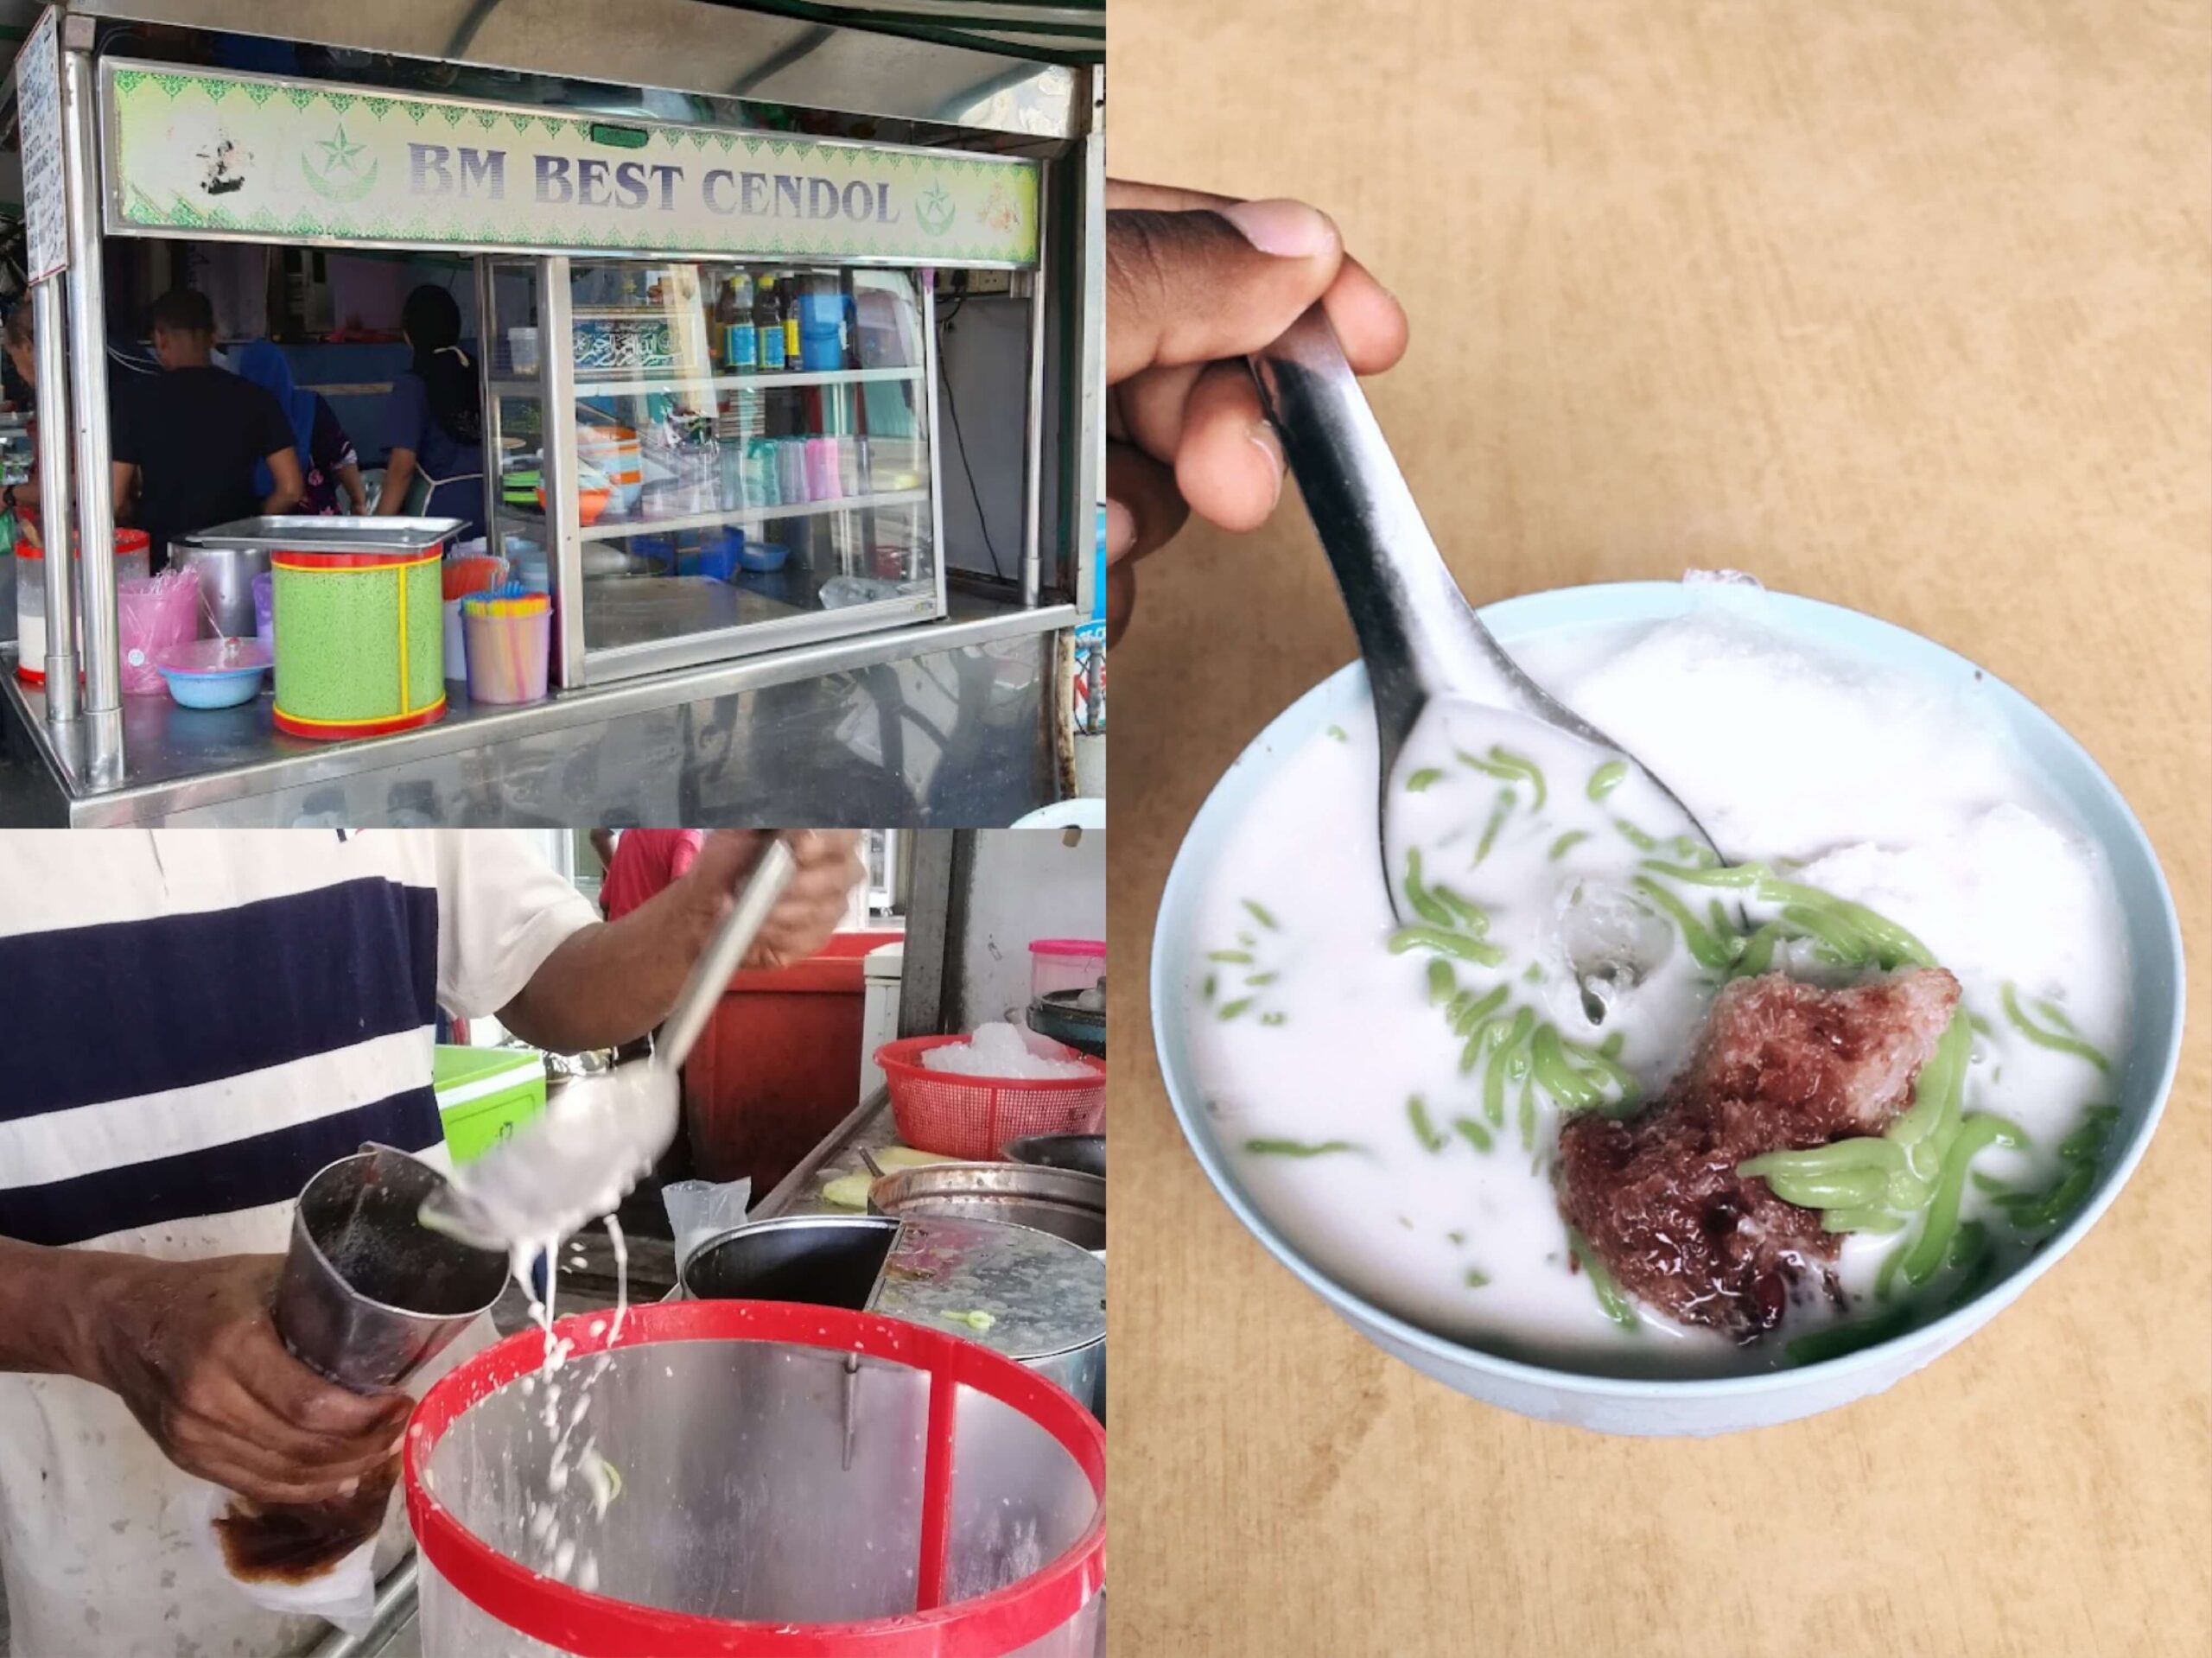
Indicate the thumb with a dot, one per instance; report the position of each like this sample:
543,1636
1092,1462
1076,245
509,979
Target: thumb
1184,288
724,858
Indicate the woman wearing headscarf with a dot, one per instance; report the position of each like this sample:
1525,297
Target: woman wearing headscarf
326,452
434,420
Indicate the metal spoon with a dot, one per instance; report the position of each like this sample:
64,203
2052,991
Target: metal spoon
1421,641
576,1158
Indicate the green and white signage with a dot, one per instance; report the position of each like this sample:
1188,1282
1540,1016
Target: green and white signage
200,153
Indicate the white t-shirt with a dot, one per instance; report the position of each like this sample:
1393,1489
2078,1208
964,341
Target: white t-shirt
198,1020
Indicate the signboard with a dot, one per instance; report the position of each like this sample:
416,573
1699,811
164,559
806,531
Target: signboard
208,154
38,104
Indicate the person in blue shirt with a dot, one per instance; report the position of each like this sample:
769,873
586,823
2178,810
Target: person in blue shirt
333,471
434,420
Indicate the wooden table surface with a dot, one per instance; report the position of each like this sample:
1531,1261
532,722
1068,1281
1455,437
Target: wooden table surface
1903,305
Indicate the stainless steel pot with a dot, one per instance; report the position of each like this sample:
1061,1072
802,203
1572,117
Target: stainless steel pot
830,1261
1066,1203
227,573
1043,1299
1084,1154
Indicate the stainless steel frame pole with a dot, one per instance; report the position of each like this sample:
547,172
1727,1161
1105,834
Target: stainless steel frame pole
103,707
1032,481
62,700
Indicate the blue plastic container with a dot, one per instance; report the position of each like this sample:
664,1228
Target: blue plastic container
822,331
718,554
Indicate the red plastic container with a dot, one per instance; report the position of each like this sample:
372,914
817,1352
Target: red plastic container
951,1114
779,1064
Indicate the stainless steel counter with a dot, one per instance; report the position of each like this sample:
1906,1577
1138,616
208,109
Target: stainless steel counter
799,1192
950,722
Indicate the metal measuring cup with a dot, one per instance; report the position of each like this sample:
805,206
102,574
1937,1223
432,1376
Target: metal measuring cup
368,1293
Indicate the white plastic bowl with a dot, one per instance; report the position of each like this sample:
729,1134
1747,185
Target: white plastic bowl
1699,1406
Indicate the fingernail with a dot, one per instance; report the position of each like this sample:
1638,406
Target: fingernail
1289,229
1121,529
1265,439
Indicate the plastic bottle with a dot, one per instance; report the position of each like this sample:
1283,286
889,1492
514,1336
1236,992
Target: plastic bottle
793,359
721,320
768,324
741,341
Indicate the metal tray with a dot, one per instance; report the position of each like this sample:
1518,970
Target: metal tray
298,533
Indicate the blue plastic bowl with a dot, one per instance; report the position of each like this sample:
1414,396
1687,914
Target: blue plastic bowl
217,690
1697,1405
214,673
763,557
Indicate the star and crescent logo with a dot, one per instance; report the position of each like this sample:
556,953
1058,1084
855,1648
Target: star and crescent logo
342,176
935,210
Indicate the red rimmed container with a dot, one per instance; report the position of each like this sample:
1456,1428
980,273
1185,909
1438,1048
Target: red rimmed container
789,1482
358,608
133,562
973,1117
1057,964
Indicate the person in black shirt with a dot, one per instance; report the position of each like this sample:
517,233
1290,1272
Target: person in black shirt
22,357
187,439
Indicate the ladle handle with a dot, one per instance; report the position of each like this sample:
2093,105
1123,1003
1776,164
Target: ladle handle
1416,630
718,962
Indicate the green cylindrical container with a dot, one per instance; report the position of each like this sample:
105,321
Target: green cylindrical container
360,641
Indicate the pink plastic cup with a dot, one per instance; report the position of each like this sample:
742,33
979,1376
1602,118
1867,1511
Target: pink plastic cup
507,654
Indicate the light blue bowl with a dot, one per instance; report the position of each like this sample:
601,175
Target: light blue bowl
217,690
213,673
1699,1406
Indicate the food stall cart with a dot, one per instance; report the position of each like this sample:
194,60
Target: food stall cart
776,595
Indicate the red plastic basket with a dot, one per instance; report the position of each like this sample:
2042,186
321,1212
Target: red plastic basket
971,1117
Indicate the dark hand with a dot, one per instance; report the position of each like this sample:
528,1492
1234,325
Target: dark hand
192,1350
1194,283
829,869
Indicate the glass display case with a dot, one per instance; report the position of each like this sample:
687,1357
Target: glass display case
706,458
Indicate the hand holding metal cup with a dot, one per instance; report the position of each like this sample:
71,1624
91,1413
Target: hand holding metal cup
368,1293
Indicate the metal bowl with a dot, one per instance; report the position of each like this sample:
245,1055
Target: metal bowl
1060,1015
1083,1153
1064,1203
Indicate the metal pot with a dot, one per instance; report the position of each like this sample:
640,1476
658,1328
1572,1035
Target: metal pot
227,573
829,1260
1046,1297
1076,1018
1067,1204
1083,1153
